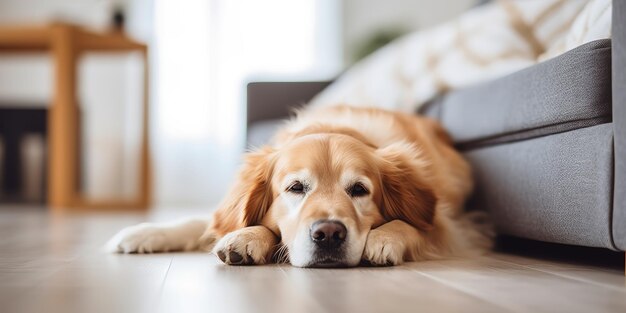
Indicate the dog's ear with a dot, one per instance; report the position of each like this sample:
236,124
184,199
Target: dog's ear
255,177
251,196
405,194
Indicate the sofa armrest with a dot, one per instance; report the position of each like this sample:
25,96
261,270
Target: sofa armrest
274,100
619,121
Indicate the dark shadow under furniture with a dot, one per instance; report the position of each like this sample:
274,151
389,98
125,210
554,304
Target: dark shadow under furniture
15,124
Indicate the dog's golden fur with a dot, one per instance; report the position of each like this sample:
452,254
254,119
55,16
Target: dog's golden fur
416,187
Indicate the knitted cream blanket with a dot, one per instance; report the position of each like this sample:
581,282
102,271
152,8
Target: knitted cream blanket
485,43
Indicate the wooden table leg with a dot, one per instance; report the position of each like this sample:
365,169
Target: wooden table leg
145,174
63,122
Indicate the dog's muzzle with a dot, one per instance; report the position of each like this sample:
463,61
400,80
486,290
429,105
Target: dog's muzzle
329,237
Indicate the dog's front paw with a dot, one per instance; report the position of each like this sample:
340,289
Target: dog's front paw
142,238
244,247
381,249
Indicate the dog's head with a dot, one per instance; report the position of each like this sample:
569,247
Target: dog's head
323,193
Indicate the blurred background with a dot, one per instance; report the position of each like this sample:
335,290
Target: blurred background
201,54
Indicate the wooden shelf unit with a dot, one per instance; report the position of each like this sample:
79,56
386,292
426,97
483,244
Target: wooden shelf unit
66,43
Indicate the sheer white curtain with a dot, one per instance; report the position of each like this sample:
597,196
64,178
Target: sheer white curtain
205,51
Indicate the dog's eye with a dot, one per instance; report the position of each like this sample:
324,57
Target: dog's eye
297,187
357,190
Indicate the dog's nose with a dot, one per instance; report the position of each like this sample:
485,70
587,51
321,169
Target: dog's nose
328,234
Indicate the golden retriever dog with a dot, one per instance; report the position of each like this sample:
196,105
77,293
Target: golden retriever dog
339,186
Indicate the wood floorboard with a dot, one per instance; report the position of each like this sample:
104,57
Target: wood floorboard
597,275
524,289
54,263
397,289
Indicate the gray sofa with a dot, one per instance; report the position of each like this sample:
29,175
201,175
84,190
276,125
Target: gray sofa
547,143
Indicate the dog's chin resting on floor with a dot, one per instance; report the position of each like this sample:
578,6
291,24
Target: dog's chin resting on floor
339,186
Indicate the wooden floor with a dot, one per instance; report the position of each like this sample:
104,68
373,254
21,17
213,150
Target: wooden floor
53,264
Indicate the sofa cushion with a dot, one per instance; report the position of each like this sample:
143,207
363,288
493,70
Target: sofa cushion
554,188
568,92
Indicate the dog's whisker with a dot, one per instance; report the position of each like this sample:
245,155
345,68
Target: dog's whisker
282,254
